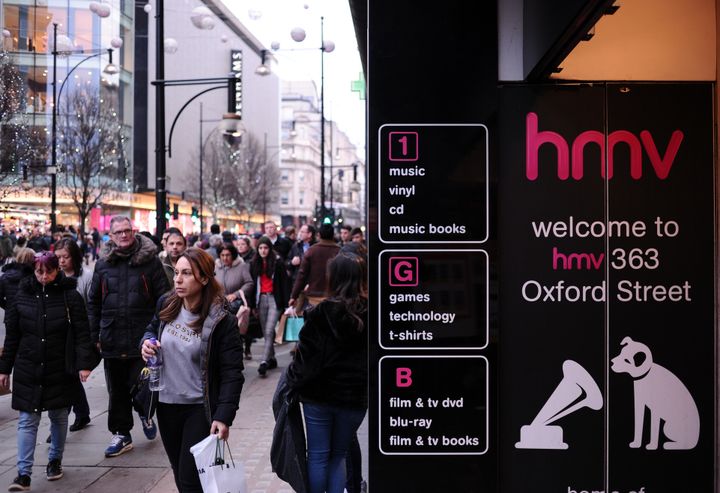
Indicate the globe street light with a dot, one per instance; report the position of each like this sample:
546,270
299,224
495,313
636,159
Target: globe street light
298,35
67,49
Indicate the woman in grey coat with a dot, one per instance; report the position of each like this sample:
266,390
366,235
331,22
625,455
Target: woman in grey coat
233,274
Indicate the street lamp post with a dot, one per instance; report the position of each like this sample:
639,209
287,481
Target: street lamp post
203,144
231,124
354,184
322,118
110,69
264,69
160,192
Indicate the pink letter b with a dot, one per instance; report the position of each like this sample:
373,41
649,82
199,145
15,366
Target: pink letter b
402,377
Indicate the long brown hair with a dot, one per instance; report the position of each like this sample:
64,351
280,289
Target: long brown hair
203,268
347,283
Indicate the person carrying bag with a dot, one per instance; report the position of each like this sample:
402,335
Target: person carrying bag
202,364
329,372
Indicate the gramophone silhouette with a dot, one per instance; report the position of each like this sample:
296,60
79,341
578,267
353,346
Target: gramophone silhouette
576,390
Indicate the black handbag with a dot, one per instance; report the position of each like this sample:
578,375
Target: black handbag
288,448
144,399
254,329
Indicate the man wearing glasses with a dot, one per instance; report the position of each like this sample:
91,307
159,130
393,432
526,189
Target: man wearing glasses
127,283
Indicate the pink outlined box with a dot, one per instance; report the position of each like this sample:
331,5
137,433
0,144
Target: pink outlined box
403,271
406,146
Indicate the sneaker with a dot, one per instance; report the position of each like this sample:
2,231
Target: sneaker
263,368
54,470
248,355
119,445
149,427
272,364
80,423
20,483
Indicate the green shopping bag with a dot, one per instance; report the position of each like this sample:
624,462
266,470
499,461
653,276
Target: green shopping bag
293,325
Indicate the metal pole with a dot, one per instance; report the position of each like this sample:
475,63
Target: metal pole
322,119
332,162
264,188
201,170
160,192
53,179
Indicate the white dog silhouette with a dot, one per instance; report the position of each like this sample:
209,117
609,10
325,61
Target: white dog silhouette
663,394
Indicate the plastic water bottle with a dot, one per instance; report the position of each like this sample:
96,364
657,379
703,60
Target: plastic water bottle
155,365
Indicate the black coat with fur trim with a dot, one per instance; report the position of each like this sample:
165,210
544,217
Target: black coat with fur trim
35,343
123,295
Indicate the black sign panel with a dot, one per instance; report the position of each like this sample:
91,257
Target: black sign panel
661,342
431,249
607,336
551,291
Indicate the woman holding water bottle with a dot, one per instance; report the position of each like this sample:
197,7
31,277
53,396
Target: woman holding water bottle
198,345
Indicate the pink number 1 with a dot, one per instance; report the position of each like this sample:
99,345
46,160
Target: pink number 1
403,141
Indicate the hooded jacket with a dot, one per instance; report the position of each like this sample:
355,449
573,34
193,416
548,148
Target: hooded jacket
330,365
35,344
235,278
222,361
125,289
10,281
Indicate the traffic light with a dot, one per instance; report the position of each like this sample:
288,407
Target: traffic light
194,212
176,211
167,210
329,216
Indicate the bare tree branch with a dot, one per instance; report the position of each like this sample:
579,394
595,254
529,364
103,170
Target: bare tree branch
237,178
90,149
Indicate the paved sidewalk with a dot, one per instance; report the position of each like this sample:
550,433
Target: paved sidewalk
146,469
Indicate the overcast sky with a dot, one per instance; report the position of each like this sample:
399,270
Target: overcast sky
342,66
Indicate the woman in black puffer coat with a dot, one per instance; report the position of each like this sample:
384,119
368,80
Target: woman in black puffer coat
45,309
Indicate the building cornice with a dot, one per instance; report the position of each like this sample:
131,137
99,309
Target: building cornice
221,11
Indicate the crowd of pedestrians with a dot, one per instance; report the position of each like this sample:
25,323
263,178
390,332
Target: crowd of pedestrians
179,295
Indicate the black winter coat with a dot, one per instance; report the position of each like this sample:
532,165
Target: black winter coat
330,364
35,343
10,281
281,282
123,295
222,362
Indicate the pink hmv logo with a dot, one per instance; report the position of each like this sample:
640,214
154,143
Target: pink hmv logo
403,271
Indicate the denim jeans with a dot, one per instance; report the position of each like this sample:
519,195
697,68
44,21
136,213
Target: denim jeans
268,314
27,437
330,430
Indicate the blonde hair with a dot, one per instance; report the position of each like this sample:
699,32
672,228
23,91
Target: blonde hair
25,256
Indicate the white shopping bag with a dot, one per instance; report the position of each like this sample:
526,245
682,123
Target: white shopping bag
216,474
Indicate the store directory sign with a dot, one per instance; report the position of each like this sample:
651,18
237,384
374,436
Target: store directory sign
543,271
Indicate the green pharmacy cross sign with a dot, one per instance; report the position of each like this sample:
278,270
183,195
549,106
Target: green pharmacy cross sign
358,86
